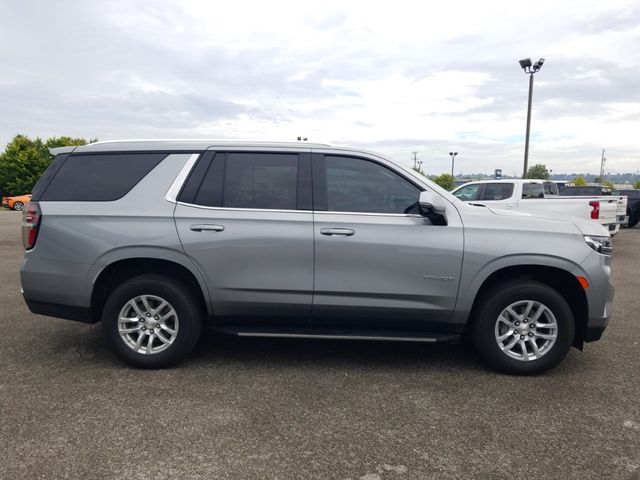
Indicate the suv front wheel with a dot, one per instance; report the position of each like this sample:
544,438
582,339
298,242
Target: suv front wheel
152,321
523,327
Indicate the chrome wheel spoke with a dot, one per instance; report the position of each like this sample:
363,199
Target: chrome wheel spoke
511,344
506,335
159,308
527,310
534,347
162,338
506,321
129,330
167,329
523,349
139,311
150,342
512,312
536,326
138,328
546,336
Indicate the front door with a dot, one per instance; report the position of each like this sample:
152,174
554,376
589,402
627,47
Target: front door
378,263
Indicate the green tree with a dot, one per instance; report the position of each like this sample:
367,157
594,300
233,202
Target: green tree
608,184
445,181
539,172
24,160
637,185
579,181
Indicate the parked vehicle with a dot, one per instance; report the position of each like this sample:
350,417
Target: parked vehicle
633,204
604,195
17,202
541,196
157,238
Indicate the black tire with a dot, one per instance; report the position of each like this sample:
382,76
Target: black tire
633,220
498,298
18,206
185,303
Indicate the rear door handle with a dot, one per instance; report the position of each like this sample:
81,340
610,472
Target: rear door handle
206,228
338,232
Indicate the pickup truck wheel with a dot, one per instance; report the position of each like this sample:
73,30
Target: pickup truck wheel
523,327
152,321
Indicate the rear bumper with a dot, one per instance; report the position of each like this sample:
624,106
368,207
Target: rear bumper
67,312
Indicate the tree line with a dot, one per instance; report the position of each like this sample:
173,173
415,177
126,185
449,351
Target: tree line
24,160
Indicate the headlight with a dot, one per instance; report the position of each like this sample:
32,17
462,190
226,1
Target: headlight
599,244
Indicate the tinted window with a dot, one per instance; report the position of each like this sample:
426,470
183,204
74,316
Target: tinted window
497,191
100,177
468,192
532,190
260,180
250,180
550,188
357,185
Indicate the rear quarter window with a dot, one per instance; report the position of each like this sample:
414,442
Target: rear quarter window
99,177
532,190
497,191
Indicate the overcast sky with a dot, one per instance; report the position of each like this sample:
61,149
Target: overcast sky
395,77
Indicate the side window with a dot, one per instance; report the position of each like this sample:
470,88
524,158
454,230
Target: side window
468,192
358,185
550,188
99,177
497,191
532,190
250,180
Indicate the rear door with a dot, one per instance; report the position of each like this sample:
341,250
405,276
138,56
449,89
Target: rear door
378,263
244,218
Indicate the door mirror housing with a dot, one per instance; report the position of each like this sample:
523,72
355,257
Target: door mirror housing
431,202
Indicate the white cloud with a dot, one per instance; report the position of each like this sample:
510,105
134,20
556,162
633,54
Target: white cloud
395,76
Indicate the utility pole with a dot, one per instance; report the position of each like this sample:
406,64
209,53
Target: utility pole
415,160
602,161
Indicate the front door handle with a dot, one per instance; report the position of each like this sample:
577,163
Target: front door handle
338,232
206,228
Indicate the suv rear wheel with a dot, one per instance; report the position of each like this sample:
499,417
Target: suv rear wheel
152,321
523,327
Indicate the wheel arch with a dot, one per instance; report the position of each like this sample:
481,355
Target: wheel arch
123,269
561,280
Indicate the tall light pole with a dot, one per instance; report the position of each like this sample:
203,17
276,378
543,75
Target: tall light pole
453,156
602,162
530,70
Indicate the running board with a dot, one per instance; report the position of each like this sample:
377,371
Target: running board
388,336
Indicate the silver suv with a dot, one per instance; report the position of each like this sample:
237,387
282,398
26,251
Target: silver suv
155,238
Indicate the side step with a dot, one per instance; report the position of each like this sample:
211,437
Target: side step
374,335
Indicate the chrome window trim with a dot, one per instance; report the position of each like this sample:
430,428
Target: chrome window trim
174,189
275,210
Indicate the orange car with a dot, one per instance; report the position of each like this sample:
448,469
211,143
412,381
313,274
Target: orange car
16,203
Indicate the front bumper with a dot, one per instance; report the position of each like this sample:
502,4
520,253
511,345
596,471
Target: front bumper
597,324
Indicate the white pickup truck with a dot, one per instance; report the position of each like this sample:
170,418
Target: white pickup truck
541,197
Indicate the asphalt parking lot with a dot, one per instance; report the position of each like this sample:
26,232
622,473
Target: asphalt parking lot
249,408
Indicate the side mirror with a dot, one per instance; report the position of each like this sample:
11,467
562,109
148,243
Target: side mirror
432,202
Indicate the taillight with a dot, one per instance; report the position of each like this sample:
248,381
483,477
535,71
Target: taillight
31,218
595,210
